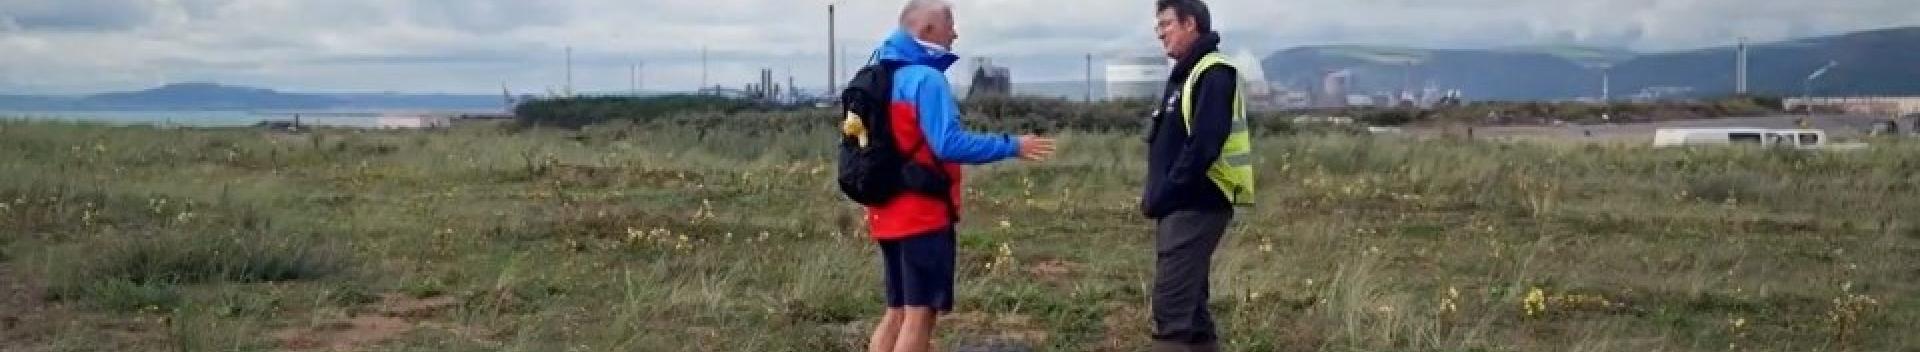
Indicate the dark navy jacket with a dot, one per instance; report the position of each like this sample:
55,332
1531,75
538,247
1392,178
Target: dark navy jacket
1177,160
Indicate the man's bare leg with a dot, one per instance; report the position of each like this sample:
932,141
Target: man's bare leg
916,330
887,332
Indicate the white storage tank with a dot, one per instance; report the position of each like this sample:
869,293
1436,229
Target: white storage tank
1136,77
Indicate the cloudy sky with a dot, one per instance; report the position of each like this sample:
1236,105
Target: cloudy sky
476,46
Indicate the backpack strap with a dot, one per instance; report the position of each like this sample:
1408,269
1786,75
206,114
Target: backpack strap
938,169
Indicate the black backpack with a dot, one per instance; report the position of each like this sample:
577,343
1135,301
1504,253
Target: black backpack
877,172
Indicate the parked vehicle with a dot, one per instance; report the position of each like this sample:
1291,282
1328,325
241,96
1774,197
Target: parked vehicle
1784,138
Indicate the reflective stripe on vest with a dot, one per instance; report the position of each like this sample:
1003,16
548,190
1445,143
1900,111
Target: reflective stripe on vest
1233,173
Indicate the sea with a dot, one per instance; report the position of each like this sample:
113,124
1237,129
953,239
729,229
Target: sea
210,118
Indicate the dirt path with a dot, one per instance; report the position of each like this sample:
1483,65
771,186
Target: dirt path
22,311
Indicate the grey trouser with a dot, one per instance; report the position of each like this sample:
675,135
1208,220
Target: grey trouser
1184,242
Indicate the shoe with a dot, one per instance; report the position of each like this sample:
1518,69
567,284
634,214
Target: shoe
1167,346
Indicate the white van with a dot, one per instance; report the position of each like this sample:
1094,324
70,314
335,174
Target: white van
1791,138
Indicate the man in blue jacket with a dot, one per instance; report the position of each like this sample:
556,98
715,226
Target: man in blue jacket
1198,169
915,232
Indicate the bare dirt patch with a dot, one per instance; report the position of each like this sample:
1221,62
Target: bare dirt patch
23,312
392,318
997,332
1053,271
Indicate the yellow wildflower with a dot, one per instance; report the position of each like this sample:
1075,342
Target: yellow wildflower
1536,302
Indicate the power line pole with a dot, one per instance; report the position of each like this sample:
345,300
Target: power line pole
843,62
703,68
568,89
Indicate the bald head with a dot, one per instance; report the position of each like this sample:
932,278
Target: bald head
930,20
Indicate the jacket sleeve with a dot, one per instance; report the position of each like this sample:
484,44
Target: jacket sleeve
940,119
1213,99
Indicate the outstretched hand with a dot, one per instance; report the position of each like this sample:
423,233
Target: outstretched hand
1035,148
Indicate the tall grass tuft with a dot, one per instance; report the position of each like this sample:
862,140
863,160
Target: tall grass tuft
142,270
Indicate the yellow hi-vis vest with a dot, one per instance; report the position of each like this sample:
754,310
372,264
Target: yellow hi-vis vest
1233,172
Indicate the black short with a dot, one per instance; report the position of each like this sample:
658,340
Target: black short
919,270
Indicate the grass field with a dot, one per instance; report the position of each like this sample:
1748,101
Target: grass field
656,238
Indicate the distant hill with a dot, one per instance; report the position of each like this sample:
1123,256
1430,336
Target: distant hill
211,96
1880,62
207,96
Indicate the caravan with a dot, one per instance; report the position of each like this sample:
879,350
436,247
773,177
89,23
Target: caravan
1788,138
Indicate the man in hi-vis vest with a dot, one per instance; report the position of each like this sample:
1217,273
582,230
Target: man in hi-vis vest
1199,168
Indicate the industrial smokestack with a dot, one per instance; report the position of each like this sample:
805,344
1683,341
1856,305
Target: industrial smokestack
1606,84
833,73
1089,77
1740,69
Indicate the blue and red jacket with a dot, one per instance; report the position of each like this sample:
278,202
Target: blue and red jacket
926,122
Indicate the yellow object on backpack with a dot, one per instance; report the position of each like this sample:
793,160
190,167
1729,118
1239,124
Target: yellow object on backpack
852,127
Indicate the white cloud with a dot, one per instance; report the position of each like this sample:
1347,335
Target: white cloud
477,45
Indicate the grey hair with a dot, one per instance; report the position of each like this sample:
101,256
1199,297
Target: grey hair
917,11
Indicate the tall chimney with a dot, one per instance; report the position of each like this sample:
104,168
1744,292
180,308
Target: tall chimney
1089,77
833,73
1740,67
1606,84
